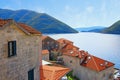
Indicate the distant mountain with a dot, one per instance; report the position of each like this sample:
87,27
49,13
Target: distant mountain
40,21
91,29
113,29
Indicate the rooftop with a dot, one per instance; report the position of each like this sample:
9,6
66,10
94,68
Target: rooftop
87,60
21,25
62,40
95,63
4,21
45,51
28,28
55,73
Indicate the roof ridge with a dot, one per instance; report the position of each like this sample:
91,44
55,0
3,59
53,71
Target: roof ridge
95,63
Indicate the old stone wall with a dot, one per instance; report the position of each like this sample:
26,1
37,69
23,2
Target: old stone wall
27,57
84,73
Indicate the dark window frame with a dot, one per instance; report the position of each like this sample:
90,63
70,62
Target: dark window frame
12,50
31,74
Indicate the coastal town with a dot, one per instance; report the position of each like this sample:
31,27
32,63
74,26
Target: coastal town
27,54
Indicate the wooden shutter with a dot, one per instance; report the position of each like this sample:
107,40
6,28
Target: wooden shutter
31,74
14,47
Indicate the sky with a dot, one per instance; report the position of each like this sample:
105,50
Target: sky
76,13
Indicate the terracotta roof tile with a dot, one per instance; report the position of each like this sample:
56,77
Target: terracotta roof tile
45,51
3,22
83,54
23,26
89,61
70,47
70,50
95,63
44,37
29,29
62,40
52,72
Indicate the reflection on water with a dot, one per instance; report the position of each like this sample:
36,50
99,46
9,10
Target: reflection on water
106,46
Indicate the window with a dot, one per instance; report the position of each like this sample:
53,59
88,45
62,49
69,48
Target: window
11,48
70,61
31,74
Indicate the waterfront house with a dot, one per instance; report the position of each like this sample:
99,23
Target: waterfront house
86,66
20,51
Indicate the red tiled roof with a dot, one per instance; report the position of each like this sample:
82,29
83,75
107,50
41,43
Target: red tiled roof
52,72
70,50
44,37
23,26
62,40
82,54
3,22
70,47
88,60
95,63
71,53
45,51
28,28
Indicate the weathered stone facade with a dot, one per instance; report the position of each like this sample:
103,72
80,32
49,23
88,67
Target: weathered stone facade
52,45
84,73
28,53
49,43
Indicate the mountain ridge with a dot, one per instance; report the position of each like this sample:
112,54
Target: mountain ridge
40,21
113,29
90,29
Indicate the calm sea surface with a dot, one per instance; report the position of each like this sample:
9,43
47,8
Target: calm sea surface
106,46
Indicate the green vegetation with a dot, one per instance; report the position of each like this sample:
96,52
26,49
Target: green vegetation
113,29
40,21
71,77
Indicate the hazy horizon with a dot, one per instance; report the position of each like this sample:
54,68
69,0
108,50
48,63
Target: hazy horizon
75,13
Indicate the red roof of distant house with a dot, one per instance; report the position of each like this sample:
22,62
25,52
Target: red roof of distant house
95,63
45,51
62,40
23,26
52,72
82,54
89,61
44,37
70,50
70,47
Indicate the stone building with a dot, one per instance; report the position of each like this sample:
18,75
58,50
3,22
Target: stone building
86,66
51,45
63,42
20,51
